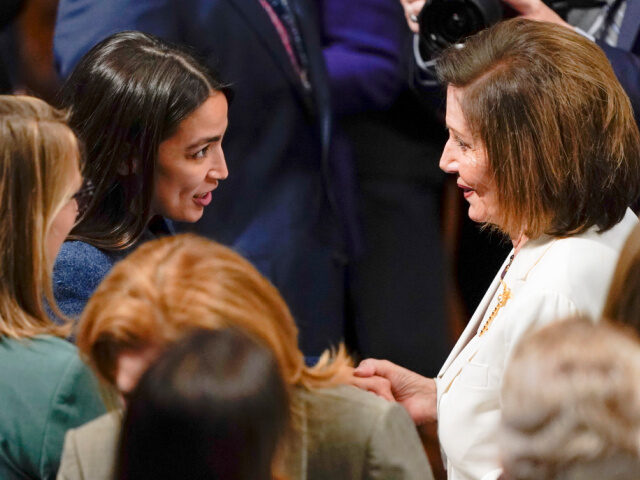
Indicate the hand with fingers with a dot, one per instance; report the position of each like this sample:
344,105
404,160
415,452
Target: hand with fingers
411,10
417,394
536,10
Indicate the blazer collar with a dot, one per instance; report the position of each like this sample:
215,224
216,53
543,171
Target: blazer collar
526,259
472,327
629,30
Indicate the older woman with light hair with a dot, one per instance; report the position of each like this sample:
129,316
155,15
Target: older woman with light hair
171,286
571,404
545,149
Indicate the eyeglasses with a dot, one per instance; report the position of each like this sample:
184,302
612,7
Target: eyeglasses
84,196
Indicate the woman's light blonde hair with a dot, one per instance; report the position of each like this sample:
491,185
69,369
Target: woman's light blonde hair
39,157
558,129
623,299
571,404
171,286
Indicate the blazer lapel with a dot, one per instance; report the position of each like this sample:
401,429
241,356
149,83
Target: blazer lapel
472,327
629,27
259,20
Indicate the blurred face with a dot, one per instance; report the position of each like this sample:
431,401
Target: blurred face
130,366
65,219
465,157
191,163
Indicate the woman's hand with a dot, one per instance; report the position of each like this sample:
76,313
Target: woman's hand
536,10
417,394
411,10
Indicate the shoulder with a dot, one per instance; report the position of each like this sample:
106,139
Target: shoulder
52,367
102,431
51,391
77,272
90,450
361,435
579,267
79,262
344,400
48,356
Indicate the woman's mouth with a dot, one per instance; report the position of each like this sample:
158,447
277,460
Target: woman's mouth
466,191
202,199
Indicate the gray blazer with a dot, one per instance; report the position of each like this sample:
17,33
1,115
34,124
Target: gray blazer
340,433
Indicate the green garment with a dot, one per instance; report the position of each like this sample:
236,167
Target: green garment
45,389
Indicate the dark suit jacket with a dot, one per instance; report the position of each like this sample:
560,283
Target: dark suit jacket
396,142
280,205
625,58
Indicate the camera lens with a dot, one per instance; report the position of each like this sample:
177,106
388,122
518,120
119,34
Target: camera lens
443,22
456,20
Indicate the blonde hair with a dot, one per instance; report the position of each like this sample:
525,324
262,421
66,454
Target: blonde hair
38,155
557,127
171,286
571,404
623,300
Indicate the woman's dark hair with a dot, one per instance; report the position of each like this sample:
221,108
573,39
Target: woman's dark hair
127,95
214,406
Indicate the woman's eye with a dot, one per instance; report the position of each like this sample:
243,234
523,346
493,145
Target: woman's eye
201,153
463,146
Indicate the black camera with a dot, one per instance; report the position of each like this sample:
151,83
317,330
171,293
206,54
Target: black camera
446,22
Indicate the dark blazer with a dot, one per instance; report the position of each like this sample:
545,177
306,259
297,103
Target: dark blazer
283,205
396,142
625,58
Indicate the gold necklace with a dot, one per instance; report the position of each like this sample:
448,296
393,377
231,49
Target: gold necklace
503,298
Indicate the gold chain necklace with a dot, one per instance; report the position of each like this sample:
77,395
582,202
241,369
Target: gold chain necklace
503,298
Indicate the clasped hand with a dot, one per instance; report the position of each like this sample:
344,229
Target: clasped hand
417,394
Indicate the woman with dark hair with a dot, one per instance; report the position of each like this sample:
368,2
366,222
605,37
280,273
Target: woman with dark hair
152,121
544,147
45,388
213,406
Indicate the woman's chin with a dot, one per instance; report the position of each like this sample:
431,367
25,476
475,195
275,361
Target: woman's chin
478,216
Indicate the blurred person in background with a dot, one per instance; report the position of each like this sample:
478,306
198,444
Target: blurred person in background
171,286
398,283
26,48
571,404
288,205
45,388
213,406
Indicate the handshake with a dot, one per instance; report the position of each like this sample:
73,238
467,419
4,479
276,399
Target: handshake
443,22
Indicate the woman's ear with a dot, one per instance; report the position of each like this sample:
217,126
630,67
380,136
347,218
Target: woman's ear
128,167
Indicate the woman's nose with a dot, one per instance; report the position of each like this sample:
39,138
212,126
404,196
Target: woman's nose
448,162
219,170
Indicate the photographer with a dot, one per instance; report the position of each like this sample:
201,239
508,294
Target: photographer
614,26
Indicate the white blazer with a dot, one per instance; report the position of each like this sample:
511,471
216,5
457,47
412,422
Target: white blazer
549,279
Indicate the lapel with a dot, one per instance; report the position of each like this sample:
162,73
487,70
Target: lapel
629,27
309,22
476,318
523,263
259,20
